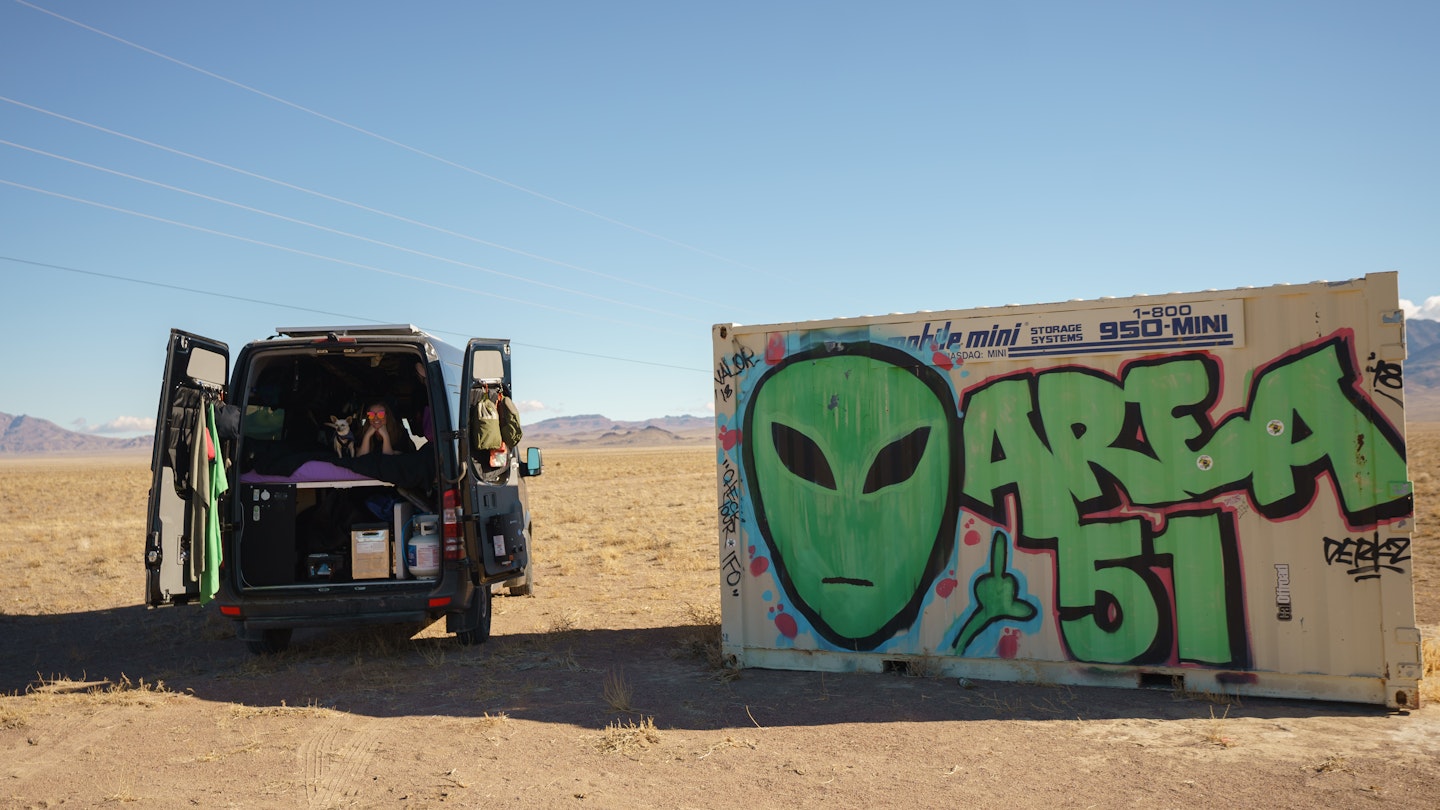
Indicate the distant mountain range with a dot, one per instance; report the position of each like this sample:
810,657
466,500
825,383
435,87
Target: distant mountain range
30,435
594,430
1422,349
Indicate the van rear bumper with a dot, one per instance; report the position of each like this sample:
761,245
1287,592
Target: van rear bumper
257,615
249,629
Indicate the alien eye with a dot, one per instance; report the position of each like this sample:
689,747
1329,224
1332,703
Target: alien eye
801,455
897,461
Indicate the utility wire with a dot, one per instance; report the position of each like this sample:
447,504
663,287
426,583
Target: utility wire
309,254
392,142
345,234
350,203
262,302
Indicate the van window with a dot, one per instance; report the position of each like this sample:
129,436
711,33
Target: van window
489,365
206,366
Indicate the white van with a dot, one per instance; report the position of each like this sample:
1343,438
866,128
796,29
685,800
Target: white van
311,531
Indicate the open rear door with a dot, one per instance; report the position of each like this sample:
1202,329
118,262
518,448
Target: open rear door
495,511
196,370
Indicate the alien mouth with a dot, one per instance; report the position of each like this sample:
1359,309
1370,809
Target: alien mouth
864,583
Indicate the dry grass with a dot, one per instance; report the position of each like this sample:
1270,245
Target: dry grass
1215,729
1430,686
38,501
11,716
617,692
104,692
641,513
625,540
488,721
628,737
243,712
703,641
1179,691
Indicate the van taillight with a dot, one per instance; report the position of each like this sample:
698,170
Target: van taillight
454,538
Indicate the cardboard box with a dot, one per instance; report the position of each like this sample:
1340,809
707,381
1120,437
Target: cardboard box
369,551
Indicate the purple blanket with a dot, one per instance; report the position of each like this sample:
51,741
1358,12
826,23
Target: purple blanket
306,473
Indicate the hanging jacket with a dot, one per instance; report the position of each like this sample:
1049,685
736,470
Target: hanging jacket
185,419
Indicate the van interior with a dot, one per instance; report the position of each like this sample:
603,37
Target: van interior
313,509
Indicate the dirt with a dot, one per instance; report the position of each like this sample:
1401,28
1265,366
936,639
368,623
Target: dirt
602,690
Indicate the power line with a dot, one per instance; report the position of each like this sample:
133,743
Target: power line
350,203
309,254
384,139
338,232
328,313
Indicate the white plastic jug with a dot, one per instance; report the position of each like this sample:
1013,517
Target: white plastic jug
422,548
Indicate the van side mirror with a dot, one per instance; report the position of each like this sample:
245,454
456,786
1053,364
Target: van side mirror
533,465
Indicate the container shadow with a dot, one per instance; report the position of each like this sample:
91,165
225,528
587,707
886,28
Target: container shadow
581,677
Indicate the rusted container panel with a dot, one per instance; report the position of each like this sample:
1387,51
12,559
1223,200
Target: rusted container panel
1207,490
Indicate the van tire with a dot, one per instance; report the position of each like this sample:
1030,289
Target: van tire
270,641
521,586
477,616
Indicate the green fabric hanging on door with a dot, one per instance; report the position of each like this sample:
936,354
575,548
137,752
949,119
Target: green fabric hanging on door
218,485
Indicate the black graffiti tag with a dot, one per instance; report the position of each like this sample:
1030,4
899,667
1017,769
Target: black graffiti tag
729,367
730,499
1387,375
1367,556
732,570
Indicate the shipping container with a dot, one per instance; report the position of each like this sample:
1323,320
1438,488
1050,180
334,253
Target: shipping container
1203,492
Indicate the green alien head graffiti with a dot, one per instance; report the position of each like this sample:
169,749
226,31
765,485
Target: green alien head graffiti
854,469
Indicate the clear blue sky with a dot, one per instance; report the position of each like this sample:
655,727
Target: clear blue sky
602,181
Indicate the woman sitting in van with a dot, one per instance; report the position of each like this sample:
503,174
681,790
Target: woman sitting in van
383,433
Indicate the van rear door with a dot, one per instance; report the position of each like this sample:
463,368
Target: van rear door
494,510
196,370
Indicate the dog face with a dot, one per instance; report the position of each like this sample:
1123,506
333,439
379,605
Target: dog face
341,426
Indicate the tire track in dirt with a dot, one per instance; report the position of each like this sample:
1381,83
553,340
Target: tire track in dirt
334,761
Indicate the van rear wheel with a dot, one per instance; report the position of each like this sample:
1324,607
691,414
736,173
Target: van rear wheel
270,641
477,617
521,586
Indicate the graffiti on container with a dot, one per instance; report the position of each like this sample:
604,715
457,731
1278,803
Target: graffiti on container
730,500
1367,556
729,367
1116,478
852,466
1237,503
857,465
997,596
730,568
1385,374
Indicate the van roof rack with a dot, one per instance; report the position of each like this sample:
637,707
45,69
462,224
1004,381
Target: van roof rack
348,331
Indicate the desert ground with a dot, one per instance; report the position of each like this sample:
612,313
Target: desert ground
604,688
